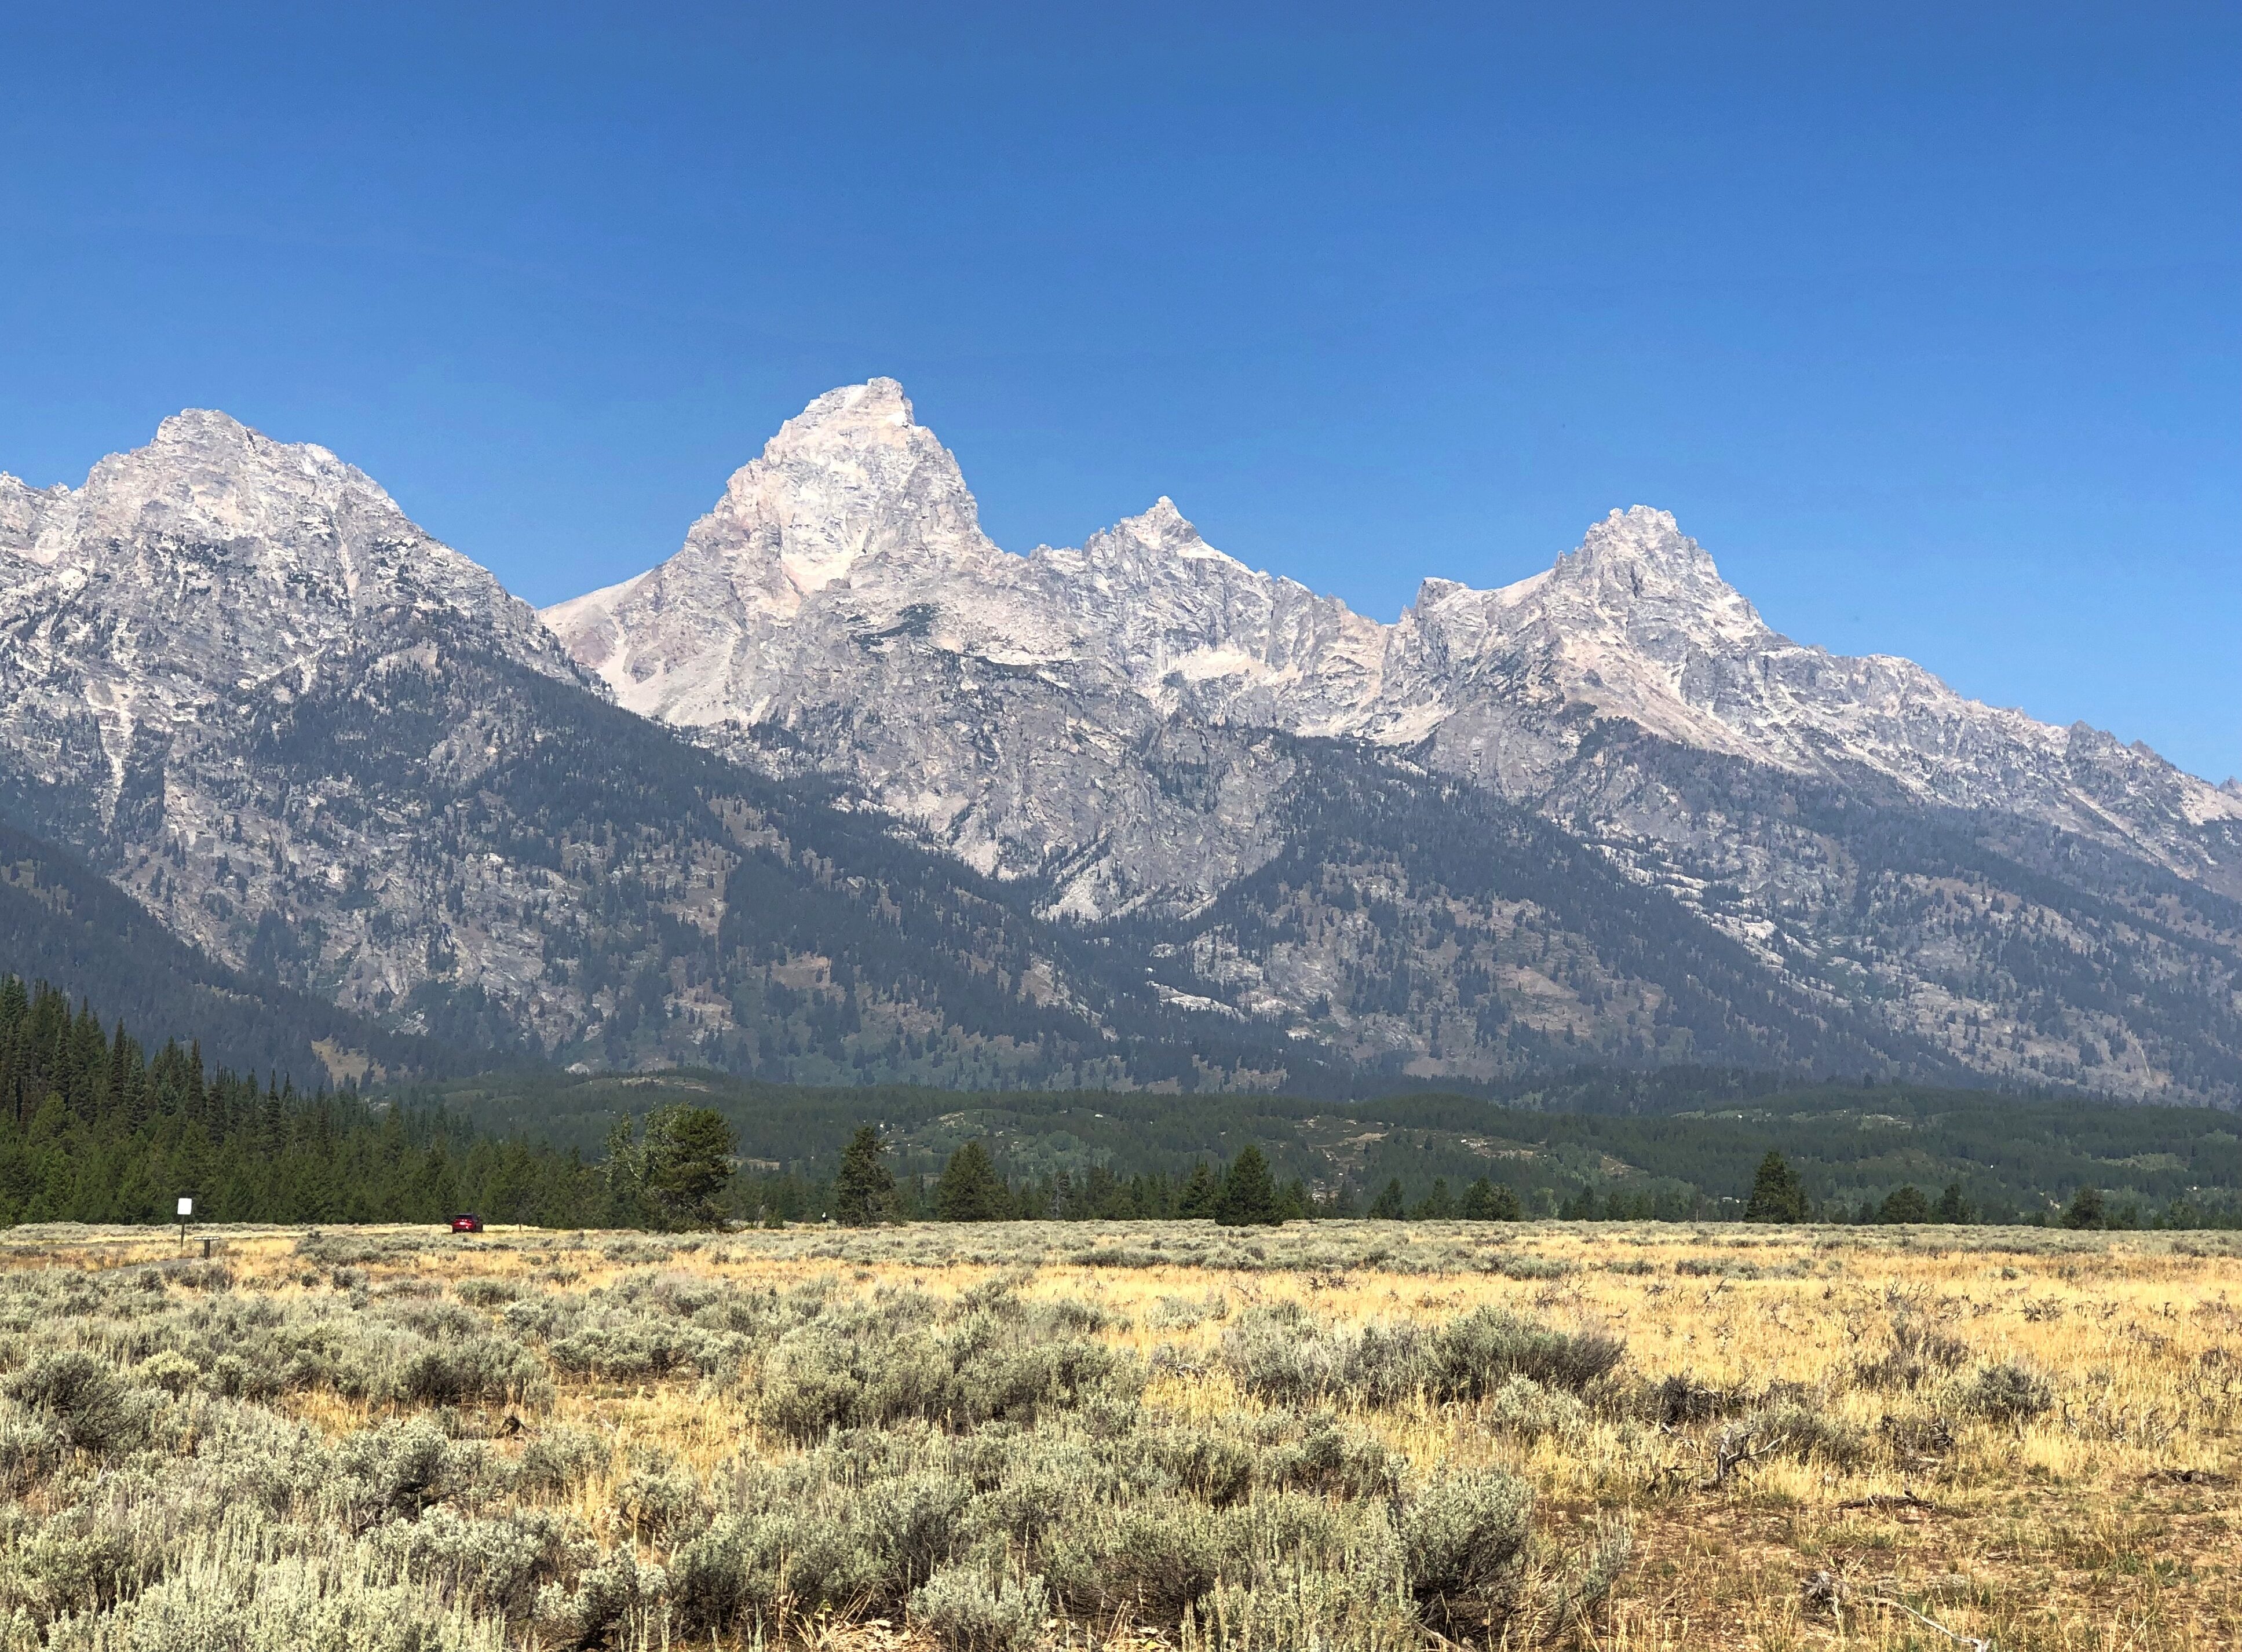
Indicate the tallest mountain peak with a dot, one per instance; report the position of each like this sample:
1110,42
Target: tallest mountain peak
199,423
853,415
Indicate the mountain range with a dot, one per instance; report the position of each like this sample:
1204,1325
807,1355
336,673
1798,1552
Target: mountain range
845,791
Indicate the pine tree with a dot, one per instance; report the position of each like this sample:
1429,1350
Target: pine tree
865,1190
1951,1206
623,1170
970,1189
688,1164
1439,1205
1387,1206
1485,1202
1905,1204
2087,1210
1249,1193
1200,1194
1777,1195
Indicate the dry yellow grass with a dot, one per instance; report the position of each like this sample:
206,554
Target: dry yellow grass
2109,1521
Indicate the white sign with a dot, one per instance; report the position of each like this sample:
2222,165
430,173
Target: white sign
186,1207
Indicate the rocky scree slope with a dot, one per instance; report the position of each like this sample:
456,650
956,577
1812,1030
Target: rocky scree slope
1136,731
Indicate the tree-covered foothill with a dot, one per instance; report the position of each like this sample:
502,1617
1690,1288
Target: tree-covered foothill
95,1128
1670,1146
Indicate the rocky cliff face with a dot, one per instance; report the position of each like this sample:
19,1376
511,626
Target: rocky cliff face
324,748
842,791
1096,725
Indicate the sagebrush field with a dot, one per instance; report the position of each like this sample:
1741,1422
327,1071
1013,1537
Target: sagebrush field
1332,1435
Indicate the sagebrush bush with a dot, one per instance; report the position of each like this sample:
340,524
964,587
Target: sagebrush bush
2007,1390
1810,1433
1920,1351
1282,1355
968,1608
1525,1408
1474,1352
1682,1397
1464,1539
82,1397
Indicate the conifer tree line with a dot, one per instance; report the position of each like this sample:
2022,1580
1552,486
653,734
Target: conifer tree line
1242,1193
94,1128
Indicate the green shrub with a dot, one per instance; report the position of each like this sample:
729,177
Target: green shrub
810,1385
559,1458
82,1396
1474,1352
966,1609
1150,1559
1522,1407
400,1468
1919,1351
1281,1356
30,1447
657,1501
498,1564
1334,1460
170,1370
481,1368
1810,1433
1211,1467
1682,1398
2008,1392
1464,1539
1575,1592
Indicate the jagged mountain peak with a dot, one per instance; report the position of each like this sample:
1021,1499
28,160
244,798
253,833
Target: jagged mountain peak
853,425
205,451
852,476
215,557
271,704
1171,540
1160,522
198,425
252,502
1642,553
875,413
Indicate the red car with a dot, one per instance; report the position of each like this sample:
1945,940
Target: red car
467,1222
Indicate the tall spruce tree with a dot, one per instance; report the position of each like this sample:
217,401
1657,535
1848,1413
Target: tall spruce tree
1777,1195
969,1190
1485,1202
1439,1205
1249,1193
1201,1194
687,1165
1905,1204
864,1189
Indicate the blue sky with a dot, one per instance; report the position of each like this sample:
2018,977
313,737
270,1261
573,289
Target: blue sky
1927,321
